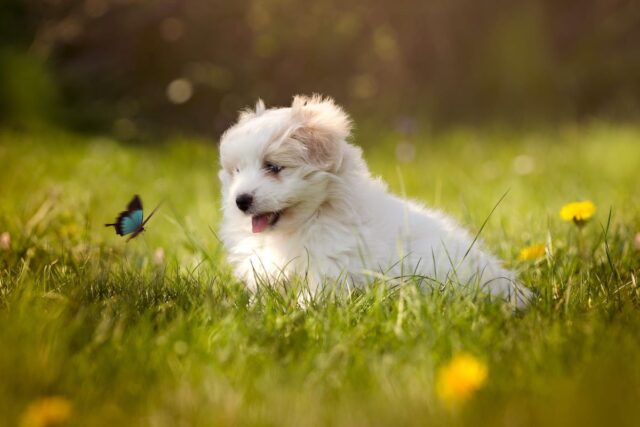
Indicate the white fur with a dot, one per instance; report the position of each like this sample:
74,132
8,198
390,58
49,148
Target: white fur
339,223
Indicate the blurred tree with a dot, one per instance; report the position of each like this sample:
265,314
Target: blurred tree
136,65
27,91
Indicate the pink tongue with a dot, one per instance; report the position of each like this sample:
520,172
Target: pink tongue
259,223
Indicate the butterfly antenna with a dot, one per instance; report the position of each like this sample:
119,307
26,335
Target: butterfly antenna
152,212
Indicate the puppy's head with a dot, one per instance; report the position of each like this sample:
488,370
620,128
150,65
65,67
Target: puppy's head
277,163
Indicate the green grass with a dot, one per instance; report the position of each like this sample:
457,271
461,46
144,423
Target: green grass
131,339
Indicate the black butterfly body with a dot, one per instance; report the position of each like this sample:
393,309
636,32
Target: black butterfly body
132,220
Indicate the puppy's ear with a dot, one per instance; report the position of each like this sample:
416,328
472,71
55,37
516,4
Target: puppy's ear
248,113
321,127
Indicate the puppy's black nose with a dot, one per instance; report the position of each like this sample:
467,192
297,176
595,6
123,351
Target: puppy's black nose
244,201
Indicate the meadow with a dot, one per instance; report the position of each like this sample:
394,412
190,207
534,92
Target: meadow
157,332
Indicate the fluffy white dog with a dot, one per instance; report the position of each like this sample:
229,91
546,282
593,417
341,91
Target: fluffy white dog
298,199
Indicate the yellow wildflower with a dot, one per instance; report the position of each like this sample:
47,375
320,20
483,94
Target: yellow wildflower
578,212
459,379
532,252
46,412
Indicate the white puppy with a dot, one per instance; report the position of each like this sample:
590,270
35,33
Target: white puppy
298,199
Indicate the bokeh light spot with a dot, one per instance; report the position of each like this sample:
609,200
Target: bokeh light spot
384,44
172,29
523,164
95,8
363,86
125,128
179,91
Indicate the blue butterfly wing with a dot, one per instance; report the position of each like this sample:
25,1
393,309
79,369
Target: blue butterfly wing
131,222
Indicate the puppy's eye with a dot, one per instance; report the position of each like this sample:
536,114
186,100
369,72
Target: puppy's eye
236,170
273,168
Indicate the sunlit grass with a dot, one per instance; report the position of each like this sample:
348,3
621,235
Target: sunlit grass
157,332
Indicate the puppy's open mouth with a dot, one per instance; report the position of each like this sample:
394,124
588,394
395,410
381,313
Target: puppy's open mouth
261,222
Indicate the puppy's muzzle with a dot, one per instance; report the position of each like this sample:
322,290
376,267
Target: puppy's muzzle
244,201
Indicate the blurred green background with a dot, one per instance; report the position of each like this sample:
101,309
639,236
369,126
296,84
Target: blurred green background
140,67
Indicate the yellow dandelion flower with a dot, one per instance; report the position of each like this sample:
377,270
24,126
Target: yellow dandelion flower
459,379
578,212
532,252
47,412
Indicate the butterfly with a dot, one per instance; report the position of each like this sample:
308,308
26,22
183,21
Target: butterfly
132,220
